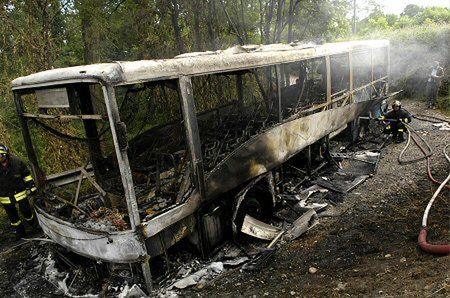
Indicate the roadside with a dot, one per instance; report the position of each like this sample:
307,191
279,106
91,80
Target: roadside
371,249
367,248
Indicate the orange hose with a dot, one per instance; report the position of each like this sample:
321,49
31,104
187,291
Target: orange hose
441,249
429,165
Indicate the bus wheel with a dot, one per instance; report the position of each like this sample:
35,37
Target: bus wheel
257,204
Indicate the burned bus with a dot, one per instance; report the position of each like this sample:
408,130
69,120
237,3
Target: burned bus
146,153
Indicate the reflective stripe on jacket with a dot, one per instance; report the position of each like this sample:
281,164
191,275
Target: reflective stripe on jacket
15,180
17,197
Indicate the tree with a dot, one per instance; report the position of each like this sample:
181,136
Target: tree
411,10
174,16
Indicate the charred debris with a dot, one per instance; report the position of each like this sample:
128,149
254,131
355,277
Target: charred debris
313,185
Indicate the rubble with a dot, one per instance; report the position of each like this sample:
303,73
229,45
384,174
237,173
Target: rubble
302,224
54,276
107,219
235,262
132,292
200,276
312,270
442,126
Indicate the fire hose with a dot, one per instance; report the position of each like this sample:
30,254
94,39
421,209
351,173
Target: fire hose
429,118
422,239
426,155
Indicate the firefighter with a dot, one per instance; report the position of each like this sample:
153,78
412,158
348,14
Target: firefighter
396,120
435,74
16,184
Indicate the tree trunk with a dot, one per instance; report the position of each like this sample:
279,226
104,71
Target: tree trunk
211,23
196,12
290,20
261,21
89,32
243,29
269,16
279,24
176,27
232,24
46,51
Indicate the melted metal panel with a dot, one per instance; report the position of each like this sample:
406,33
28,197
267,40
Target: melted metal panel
259,229
275,146
260,155
117,247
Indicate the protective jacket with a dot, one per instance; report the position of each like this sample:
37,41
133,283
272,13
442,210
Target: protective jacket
15,181
401,115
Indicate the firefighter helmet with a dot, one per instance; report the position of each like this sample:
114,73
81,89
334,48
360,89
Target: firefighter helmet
4,149
397,103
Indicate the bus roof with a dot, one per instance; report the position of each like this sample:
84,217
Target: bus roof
232,59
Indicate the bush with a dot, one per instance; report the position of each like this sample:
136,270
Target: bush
413,50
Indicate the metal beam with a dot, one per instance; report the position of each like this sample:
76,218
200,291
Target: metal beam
67,177
278,74
192,133
328,68
125,173
64,117
350,68
122,156
38,173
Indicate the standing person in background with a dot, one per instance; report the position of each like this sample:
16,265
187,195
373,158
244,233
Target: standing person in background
435,75
16,184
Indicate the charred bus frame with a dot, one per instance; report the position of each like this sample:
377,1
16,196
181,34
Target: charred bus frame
245,166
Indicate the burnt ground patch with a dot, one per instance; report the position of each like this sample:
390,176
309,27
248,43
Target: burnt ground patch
368,248
371,248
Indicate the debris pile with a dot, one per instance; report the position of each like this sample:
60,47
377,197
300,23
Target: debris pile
107,219
198,277
442,125
49,270
354,168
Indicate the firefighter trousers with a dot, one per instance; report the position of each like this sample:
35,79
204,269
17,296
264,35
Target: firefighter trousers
25,209
395,128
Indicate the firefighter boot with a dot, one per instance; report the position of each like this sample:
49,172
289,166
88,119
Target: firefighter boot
18,231
33,222
400,138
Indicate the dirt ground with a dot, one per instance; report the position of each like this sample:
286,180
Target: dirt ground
369,248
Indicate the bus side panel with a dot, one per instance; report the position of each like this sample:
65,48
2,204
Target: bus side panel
275,146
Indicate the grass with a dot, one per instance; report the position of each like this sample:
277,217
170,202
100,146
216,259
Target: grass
444,105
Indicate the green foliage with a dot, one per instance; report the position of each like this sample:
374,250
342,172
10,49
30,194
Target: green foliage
418,37
413,50
411,10
37,35
412,16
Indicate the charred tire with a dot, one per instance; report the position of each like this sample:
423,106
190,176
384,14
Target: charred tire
257,204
